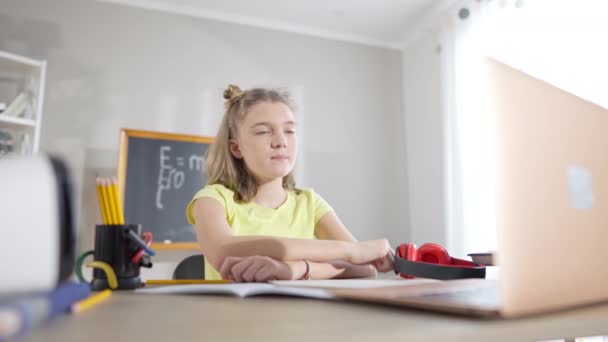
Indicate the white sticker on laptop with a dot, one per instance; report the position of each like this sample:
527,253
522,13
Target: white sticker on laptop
580,186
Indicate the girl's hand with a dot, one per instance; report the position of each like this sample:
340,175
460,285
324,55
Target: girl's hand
255,269
375,252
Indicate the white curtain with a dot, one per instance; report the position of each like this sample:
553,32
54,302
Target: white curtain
468,152
554,40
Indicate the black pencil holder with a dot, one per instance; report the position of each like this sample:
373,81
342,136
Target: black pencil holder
115,247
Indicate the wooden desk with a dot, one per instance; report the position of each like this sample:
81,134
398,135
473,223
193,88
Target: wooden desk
130,317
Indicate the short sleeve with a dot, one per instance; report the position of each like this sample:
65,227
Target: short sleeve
320,206
215,191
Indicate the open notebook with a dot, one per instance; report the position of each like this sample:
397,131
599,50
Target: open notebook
239,289
320,289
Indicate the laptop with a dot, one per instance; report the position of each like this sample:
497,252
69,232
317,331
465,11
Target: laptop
551,208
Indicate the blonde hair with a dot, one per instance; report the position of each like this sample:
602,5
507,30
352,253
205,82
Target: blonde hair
222,166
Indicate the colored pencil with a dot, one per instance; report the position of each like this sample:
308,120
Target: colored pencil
102,209
117,202
91,301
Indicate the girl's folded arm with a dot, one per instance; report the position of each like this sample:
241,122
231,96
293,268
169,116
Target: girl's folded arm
332,270
330,227
217,241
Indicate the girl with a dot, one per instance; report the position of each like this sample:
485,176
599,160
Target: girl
251,221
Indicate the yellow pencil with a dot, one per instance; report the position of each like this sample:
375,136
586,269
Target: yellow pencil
110,200
91,301
104,218
104,200
184,281
119,211
106,203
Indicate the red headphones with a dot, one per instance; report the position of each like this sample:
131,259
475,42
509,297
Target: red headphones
433,261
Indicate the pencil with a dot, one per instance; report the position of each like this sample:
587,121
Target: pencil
184,281
91,301
104,218
110,199
104,197
119,211
106,204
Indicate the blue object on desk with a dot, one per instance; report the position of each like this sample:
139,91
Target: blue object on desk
141,243
24,312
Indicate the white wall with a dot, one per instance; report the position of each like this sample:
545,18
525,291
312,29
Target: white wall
111,67
424,122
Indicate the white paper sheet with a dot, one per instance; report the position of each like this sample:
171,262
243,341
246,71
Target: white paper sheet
352,283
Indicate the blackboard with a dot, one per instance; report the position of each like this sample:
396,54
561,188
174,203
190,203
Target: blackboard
158,174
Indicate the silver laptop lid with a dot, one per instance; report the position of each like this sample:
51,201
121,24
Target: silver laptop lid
552,194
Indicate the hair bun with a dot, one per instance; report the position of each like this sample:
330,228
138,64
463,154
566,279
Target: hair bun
232,93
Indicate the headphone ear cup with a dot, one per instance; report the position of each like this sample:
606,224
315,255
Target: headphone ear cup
411,252
434,253
401,250
406,251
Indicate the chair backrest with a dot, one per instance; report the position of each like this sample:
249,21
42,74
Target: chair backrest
192,267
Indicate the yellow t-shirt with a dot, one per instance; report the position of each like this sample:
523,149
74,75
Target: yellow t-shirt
295,218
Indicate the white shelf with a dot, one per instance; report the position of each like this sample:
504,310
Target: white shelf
12,122
23,74
8,59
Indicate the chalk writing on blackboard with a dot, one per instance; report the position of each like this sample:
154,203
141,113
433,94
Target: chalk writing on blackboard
158,175
171,175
